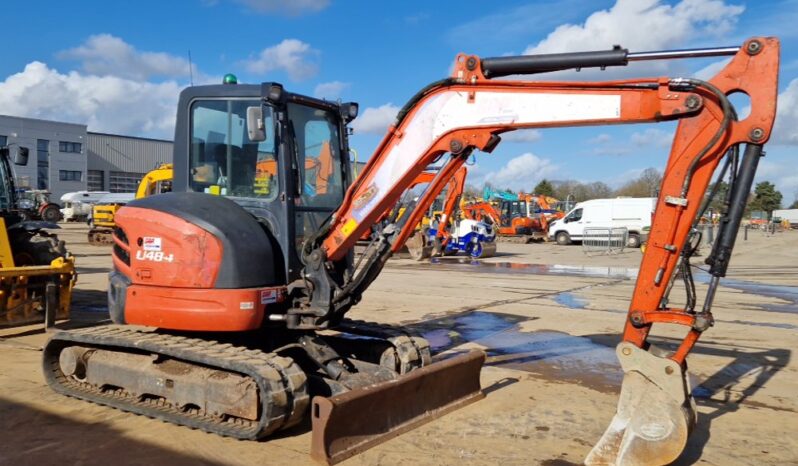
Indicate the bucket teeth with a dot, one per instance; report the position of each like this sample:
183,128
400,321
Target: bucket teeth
655,413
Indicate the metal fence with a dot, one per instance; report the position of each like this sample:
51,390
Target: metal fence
598,241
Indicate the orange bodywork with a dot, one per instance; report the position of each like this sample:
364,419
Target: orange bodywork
454,183
173,265
452,175
266,169
544,203
694,156
213,310
505,226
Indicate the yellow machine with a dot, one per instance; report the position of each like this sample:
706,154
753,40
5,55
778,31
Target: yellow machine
157,181
36,272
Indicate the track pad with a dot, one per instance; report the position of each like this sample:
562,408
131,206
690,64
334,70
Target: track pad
655,412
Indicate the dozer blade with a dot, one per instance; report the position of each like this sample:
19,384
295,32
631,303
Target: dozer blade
488,250
418,247
655,412
347,424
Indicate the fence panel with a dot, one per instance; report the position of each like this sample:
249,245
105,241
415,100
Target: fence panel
598,241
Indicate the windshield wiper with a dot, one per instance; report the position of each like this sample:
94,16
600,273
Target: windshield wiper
295,160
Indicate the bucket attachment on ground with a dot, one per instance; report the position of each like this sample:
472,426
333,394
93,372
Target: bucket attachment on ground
418,246
488,250
655,412
347,424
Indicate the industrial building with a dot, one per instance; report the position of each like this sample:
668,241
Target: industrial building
66,157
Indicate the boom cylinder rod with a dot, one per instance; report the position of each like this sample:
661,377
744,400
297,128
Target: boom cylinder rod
531,64
686,53
728,231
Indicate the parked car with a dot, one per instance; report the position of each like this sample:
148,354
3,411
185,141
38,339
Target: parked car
634,214
77,205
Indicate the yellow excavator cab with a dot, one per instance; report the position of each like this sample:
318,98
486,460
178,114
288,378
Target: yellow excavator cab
157,181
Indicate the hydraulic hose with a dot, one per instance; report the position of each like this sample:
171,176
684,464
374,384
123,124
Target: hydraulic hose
728,115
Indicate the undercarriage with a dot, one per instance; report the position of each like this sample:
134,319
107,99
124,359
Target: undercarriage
231,388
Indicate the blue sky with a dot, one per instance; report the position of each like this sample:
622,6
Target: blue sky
119,68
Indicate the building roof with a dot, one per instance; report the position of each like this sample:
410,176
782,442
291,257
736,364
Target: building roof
40,120
95,133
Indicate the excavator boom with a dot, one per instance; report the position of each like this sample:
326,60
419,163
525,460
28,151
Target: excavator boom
470,111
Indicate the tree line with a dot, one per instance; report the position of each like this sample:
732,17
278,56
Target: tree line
764,198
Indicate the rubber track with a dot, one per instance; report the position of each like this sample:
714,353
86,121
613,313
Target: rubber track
279,377
97,237
521,239
413,352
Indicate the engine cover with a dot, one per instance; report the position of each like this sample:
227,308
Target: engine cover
194,240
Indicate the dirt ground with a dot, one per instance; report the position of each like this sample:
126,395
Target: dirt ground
549,318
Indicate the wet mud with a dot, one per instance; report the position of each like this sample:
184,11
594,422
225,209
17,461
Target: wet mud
476,266
570,300
553,355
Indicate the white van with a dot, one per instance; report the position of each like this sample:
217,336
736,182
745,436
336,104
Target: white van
631,213
77,205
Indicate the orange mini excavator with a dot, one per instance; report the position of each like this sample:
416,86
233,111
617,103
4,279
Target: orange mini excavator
511,220
420,244
246,292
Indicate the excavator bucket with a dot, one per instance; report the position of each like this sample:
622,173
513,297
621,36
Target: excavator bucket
655,412
347,424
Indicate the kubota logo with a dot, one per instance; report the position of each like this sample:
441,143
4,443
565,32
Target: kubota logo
365,197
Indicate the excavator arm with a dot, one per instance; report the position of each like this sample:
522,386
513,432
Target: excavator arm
471,110
454,192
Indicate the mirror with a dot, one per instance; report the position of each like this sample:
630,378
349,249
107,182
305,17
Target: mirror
255,127
19,155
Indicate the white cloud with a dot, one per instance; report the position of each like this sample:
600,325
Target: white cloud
105,103
785,130
782,174
652,137
642,25
619,180
285,7
708,72
613,149
107,55
331,90
639,141
375,120
292,56
522,135
509,25
521,173
600,139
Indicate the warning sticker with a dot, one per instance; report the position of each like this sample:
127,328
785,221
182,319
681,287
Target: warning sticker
349,226
268,296
246,306
151,243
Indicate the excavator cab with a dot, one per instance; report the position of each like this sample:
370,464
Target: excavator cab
278,157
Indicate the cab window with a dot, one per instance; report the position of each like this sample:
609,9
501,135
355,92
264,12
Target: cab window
318,156
223,160
574,216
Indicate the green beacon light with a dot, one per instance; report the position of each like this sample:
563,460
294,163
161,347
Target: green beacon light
230,78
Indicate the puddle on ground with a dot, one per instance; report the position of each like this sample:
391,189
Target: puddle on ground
762,324
551,354
782,292
463,264
570,300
